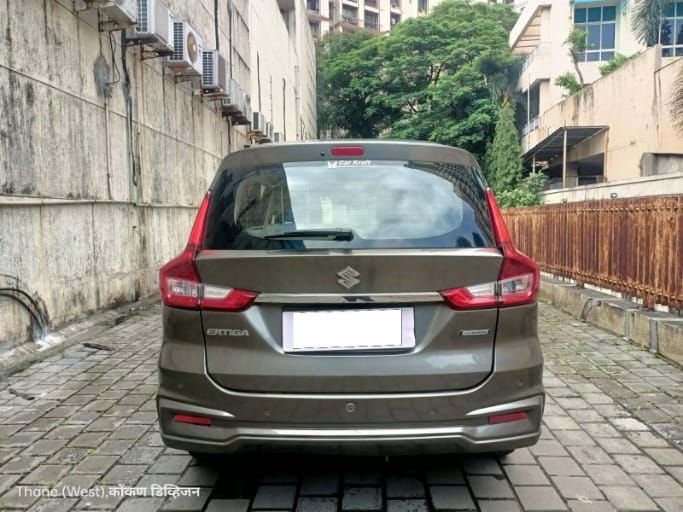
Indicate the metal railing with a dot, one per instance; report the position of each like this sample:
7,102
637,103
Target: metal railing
633,246
532,125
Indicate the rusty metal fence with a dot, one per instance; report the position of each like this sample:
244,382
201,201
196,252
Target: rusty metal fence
633,246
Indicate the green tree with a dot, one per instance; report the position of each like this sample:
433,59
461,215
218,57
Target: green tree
503,163
341,102
646,20
438,77
577,43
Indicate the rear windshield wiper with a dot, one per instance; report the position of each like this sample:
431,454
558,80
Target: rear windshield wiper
313,234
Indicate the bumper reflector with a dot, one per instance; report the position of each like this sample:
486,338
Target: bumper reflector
504,418
195,420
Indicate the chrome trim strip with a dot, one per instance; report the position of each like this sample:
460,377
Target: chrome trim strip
347,298
172,405
528,403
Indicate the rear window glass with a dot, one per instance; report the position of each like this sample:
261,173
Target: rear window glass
383,204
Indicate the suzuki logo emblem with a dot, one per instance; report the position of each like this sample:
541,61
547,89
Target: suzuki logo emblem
347,277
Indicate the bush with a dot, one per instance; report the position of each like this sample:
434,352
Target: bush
569,82
617,61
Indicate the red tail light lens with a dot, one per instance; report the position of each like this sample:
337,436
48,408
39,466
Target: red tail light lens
181,286
348,151
506,418
518,279
194,420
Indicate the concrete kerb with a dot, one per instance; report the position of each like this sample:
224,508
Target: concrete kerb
54,342
660,333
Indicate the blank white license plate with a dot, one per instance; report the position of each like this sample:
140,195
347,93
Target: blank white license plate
348,329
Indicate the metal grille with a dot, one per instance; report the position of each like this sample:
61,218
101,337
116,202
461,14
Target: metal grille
632,245
209,68
143,16
178,42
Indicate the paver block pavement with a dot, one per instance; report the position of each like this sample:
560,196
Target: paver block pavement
611,440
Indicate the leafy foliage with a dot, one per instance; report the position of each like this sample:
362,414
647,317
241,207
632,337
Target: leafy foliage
439,77
527,193
646,20
677,102
569,82
614,64
503,164
577,42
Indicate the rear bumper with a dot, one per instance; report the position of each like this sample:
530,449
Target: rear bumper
471,435
368,423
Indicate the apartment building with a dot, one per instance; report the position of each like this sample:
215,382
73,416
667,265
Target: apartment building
576,154
353,15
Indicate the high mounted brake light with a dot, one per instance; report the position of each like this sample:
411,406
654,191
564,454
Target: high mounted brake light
518,279
348,151
179,280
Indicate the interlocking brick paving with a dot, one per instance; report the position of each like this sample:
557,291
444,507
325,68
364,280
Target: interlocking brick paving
612,438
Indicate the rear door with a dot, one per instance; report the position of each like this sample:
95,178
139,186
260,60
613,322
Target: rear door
347,258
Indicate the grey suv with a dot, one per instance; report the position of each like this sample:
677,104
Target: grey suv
353,296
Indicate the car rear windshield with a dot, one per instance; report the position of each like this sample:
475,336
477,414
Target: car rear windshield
355,204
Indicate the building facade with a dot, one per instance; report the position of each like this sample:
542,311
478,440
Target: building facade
577,147
106,149
353,15
378,16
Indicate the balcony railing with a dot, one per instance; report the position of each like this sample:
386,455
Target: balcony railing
352,20
531,125
372,25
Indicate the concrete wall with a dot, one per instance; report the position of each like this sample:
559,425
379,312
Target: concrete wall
284,77
90,205
648,186
634,102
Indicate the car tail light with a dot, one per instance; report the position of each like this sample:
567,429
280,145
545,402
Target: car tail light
518,279
506,418
181,286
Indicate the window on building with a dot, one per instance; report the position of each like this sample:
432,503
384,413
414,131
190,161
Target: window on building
394,20
371,3
371,20
600,24
671,34
395,4
315,28
422,5
350,15
312,5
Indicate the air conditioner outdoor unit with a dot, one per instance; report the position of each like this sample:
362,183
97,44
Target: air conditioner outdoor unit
117,14
245,104
258,123
269,130
278,137
231,106
154,26
214,72
187,50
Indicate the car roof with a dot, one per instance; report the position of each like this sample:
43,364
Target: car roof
374,149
